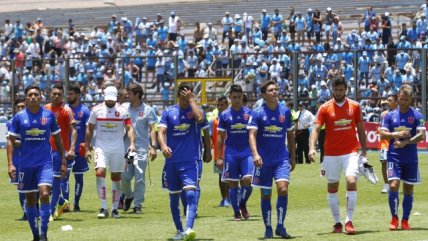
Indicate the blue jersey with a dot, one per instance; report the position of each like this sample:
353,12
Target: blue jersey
16,150
411,121
234,123
183,134
271,126
81,116
34,131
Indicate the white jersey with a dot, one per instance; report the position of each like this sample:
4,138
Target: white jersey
110,127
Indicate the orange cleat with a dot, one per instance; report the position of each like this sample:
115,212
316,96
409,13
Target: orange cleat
393,225
338,228
349,228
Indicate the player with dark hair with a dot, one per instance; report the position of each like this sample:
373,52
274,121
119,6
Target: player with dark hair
270,126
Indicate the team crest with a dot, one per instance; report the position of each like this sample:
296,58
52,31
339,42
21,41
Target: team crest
411,119
190,115
141,114
80,114
350,112
246,116
116,113
282,118
44,120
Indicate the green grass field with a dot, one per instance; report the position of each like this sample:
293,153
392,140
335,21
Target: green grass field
308,216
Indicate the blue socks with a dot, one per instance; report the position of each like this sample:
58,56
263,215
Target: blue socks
266,212
174,204
407,206
22,200
233,196
245,194
65,187
393,203
32,220
191,208
45,212
56,191
183,200
198,195
78,188
281,209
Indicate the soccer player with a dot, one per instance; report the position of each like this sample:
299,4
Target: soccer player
64,116
238,162
222,105
181,144
34,126
19,105
405,127
81,116
270,125
384,143
341,116
110,121
143,120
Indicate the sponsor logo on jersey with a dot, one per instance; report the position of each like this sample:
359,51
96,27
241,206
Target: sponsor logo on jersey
182,127
35,132
273,129
109,125
402,128
238,126
342,122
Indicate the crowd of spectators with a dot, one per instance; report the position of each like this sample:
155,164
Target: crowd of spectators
250,48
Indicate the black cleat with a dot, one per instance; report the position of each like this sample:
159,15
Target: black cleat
127,203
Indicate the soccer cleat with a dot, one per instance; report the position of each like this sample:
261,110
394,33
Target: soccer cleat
338,228
137,210
238,216
43,237
178,235
405,225
244,211
60,208
189,235
114,213
393,225
349,228
103,213
76,208
23,218
36,238
127,203
281,232
220,205
227,203
268,233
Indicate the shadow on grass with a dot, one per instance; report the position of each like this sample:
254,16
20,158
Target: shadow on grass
207,239
252,219
359,232
67,219
86,211
418,229
292,237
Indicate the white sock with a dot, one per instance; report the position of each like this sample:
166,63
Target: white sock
351,204
115,191
102,191
333,202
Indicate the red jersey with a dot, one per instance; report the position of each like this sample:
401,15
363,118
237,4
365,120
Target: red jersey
64,117
340,126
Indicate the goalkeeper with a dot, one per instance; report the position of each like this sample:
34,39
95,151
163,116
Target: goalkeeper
341,116
405,127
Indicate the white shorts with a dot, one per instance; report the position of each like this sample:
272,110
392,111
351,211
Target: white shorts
383,153
114,160
333,165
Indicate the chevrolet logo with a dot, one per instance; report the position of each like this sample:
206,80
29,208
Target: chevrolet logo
239,126
402,128
273,129
182,127
342,122
35,132
109,125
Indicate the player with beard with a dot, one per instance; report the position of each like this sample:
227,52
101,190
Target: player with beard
81,116
111,121
341,117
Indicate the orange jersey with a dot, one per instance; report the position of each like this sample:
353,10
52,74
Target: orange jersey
340,126
214,139
64,117
383,144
